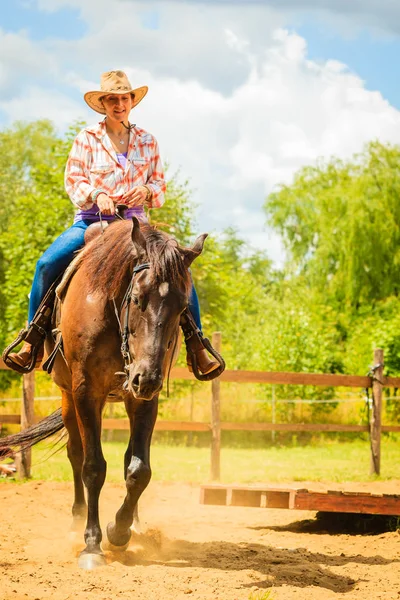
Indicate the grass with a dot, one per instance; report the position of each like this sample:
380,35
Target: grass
332,461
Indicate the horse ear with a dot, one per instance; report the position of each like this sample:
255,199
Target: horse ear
190,254
137,236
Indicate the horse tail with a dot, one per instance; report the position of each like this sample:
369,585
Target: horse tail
32,435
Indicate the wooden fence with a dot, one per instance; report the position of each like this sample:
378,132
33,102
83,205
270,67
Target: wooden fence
375,382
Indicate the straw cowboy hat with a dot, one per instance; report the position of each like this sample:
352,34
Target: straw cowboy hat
113,82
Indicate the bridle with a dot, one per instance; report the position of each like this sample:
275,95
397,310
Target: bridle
124,328
124,322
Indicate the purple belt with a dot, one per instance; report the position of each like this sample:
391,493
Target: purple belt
92,214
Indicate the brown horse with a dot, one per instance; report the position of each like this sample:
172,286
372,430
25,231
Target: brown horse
119,322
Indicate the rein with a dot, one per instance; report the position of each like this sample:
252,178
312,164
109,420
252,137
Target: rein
124,325
126,301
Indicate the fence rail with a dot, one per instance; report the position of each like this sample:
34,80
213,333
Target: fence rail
285,378
375,428
193,426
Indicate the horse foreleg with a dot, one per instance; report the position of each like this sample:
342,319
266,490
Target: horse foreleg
138,471
75,456
127,459
88,412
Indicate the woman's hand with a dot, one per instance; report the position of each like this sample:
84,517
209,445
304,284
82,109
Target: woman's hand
105,204
135,196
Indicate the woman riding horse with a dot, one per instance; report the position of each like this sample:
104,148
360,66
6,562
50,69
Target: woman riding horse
111,163
118,317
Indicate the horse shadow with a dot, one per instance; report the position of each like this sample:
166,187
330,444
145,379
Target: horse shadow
297,567
327,523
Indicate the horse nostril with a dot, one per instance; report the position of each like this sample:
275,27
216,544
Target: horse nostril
135,381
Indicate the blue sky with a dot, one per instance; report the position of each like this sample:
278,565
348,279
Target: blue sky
373,57
242,94
40,24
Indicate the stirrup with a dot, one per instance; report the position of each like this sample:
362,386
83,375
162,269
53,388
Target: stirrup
190,329
25,335
216,372
35,333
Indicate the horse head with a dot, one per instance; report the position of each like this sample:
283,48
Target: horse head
157,296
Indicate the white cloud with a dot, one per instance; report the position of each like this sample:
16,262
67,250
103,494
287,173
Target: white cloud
287,113
347,15
22,59
189,44
41,103
378,14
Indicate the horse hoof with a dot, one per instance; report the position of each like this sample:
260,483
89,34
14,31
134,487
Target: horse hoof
89,562
117,543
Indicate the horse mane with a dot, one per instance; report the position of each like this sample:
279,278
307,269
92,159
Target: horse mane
109,258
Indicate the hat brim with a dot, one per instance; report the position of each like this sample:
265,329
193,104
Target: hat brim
92,99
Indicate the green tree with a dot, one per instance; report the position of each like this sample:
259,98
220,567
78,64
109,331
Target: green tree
176,216
40,210
22,147
340,222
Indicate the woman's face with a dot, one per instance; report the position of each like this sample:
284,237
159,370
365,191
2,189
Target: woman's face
118,106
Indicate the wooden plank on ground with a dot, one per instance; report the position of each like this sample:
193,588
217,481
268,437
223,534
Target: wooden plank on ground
299,499
348,503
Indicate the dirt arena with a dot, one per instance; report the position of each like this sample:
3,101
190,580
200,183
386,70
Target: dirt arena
191,551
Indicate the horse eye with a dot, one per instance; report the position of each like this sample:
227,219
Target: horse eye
135,300
169,344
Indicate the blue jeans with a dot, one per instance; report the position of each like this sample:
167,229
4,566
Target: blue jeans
57,258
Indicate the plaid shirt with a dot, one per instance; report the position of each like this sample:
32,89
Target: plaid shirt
93,164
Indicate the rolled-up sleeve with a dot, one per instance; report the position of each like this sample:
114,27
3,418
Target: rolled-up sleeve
156,180
76,177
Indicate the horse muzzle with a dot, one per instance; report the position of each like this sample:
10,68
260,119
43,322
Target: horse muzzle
144,383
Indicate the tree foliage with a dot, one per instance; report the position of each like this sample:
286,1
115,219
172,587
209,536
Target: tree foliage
340,222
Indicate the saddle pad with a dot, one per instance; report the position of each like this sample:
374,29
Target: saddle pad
69,272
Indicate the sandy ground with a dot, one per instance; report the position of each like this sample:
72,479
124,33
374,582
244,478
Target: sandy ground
190,550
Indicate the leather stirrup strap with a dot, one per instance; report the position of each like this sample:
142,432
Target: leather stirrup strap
49,362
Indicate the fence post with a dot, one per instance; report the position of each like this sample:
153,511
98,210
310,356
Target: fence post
27,419
273,416
375,425
216,417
